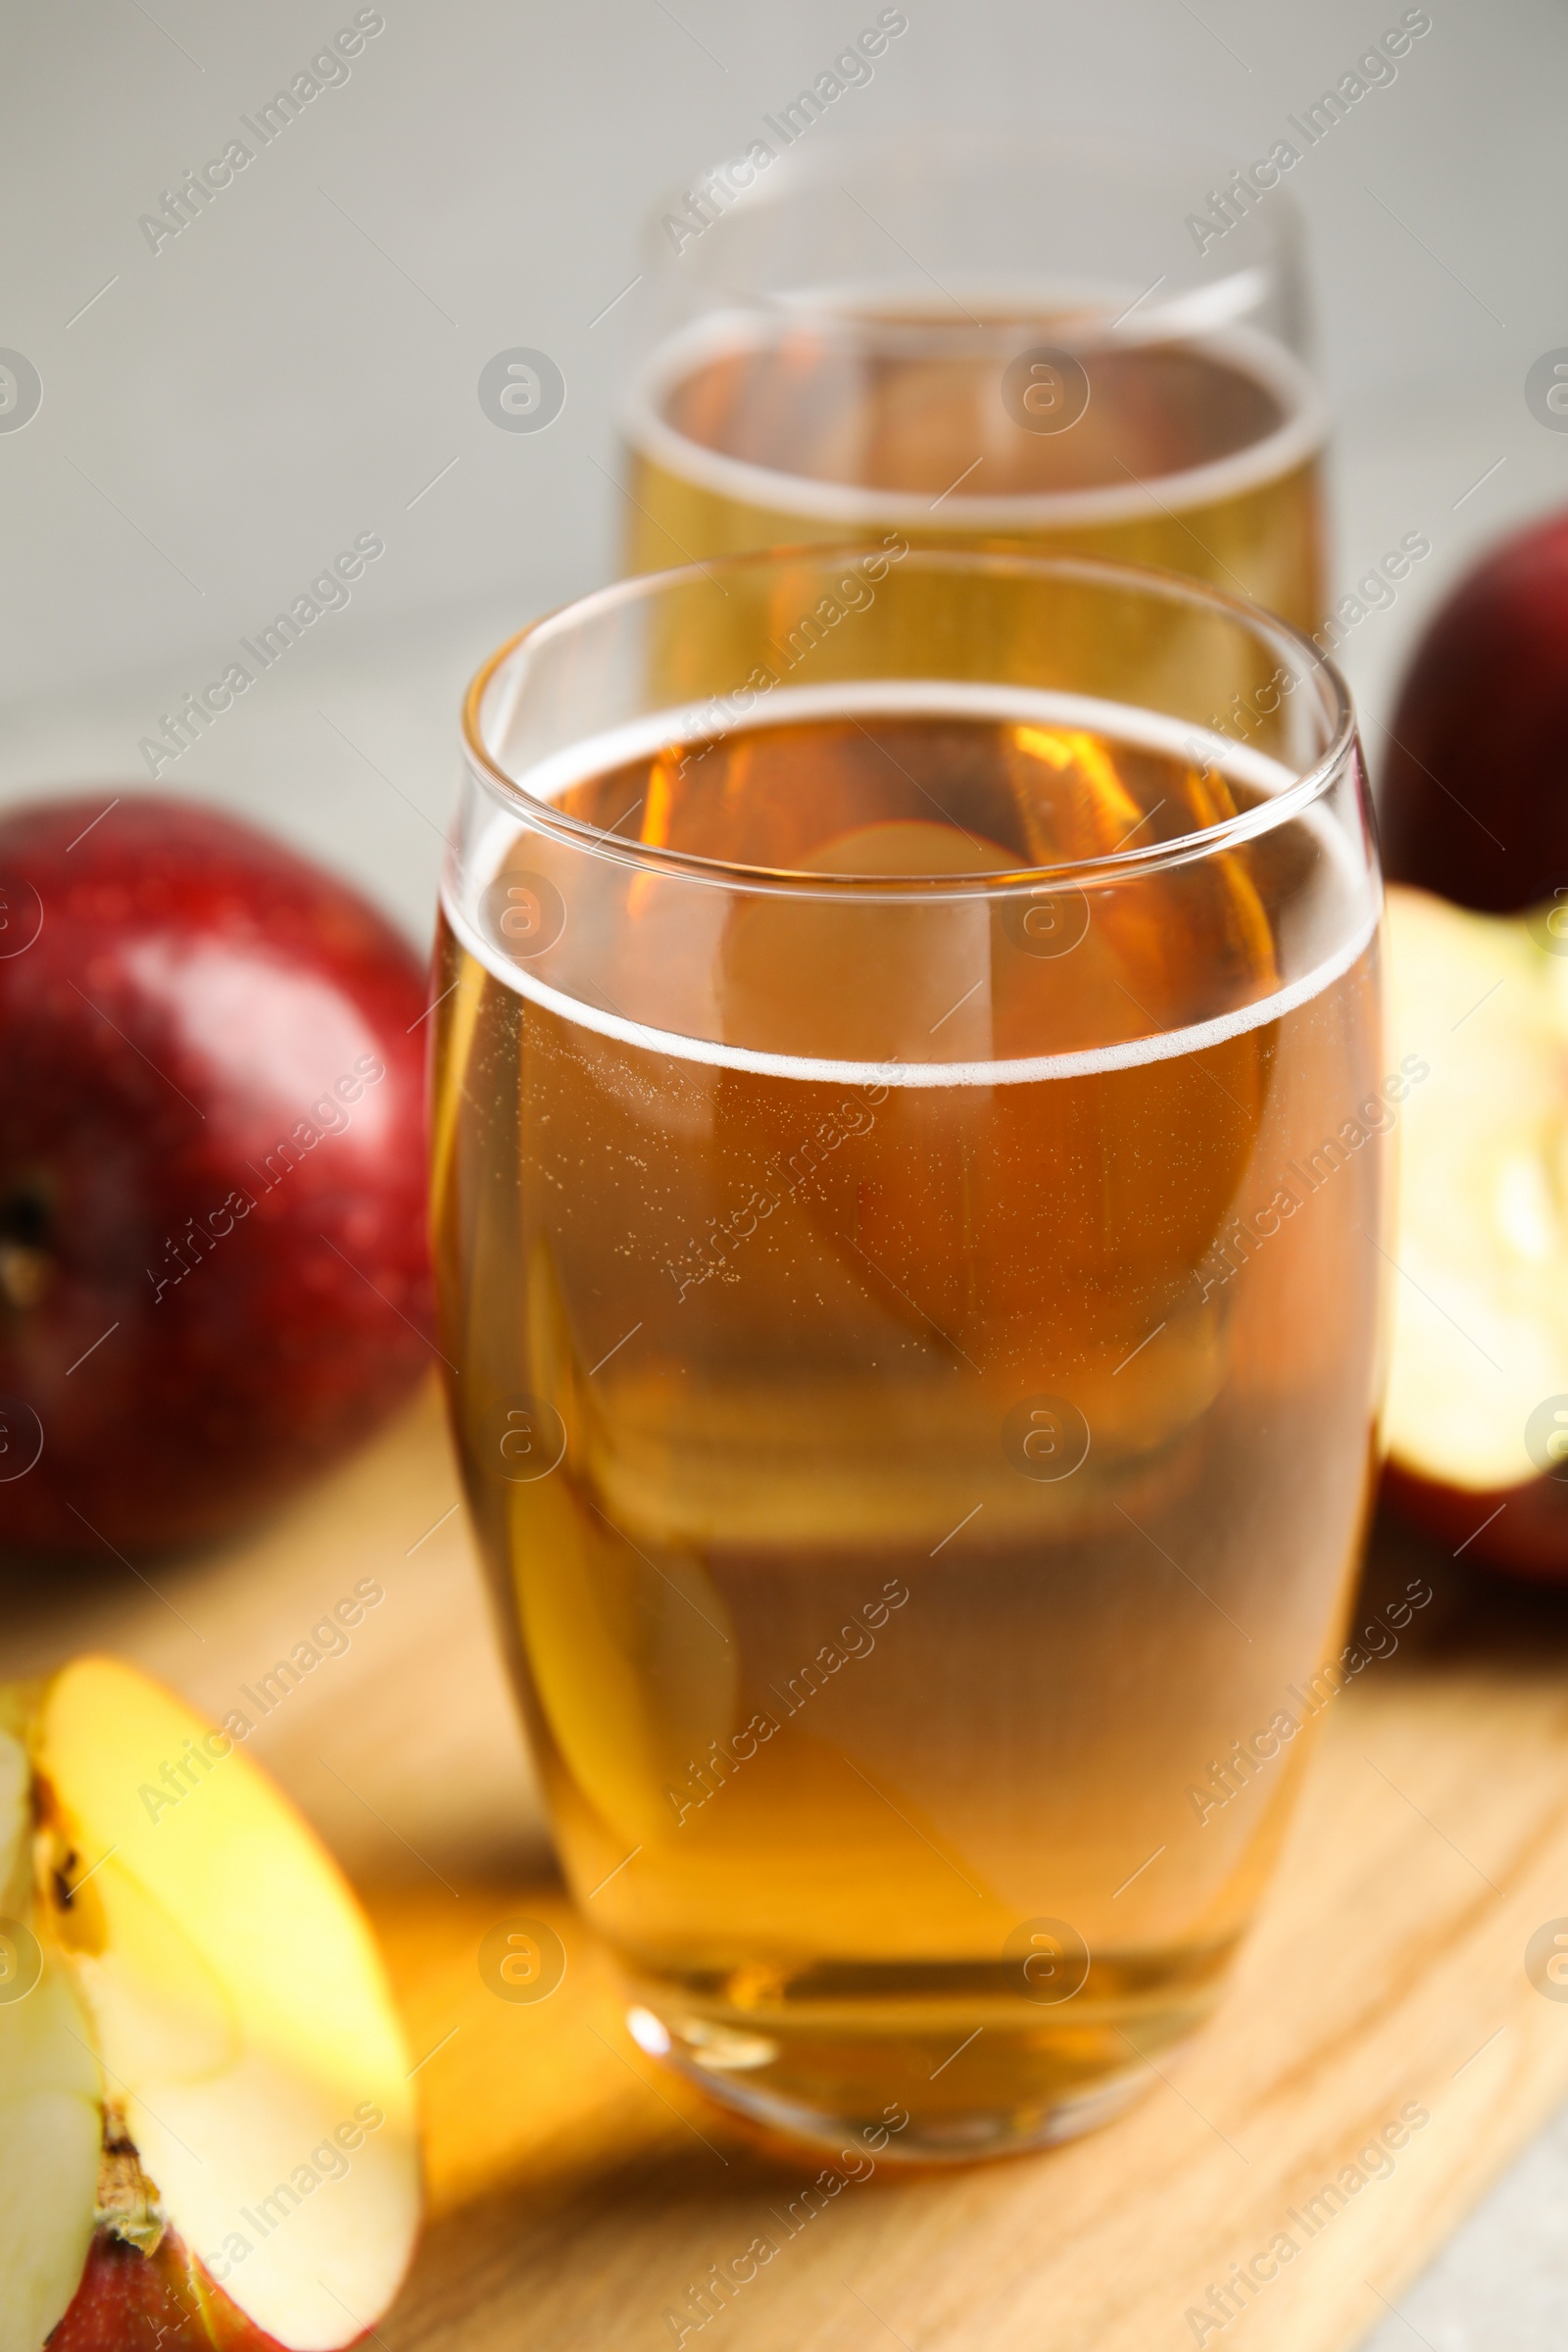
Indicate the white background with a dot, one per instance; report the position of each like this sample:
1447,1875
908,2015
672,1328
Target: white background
296,367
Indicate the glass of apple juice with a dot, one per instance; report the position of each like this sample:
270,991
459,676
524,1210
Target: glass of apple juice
991,338
916,1412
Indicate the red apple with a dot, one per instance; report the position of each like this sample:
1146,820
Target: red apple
1477,1413
214,1274
1474,800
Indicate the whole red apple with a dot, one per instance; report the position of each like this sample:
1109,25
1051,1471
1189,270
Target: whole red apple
213,1276
1474,803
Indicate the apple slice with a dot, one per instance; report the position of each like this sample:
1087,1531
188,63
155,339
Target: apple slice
205,2110
1480,1352
51,2130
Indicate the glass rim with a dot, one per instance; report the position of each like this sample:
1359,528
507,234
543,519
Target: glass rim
951,146
1312,664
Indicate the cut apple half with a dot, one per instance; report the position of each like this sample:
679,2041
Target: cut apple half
205,2110
1480,1307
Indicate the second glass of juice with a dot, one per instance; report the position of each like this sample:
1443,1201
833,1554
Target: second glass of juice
1008,341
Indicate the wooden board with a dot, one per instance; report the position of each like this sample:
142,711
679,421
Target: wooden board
578,2194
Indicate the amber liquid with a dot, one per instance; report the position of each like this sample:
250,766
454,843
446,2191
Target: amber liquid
1200,459
868,1739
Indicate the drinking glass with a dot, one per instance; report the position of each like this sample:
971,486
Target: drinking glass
980,339
908,1278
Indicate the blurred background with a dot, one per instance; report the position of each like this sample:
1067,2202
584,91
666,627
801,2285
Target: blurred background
219,413
300,365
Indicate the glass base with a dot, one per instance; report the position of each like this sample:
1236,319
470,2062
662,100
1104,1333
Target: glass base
908,2073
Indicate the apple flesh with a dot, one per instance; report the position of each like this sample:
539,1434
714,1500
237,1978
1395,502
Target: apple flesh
1474,798
214,1270
1480,1300
205,2111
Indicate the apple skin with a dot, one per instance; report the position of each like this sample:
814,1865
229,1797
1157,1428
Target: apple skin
134,2302
1529,1532
1482,717
195,989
